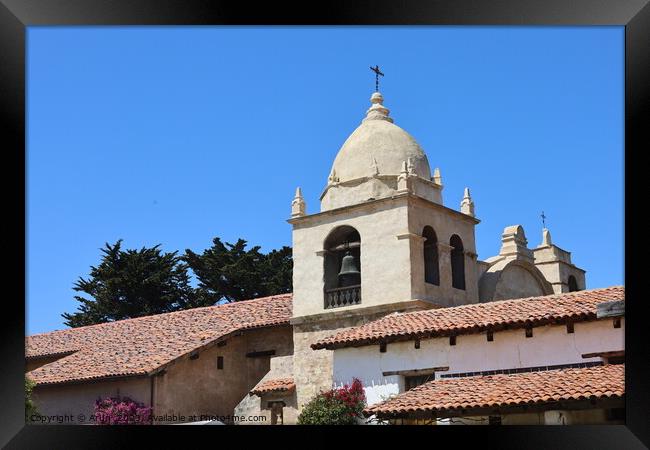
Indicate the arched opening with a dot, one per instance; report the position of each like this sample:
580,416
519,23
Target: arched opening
431,268
342,274
573,284
457,262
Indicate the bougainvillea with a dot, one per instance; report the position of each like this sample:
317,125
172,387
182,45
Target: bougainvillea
342,406
121,411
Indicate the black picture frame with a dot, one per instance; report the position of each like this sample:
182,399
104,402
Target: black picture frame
16,15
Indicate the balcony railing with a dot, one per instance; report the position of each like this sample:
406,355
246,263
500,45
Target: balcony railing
344,296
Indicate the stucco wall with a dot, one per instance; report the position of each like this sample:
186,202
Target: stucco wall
392,266
78,400
197,387
385,268
550,345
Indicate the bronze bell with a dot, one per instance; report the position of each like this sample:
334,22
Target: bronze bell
349,274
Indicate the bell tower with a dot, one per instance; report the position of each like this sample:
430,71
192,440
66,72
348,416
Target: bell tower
381,243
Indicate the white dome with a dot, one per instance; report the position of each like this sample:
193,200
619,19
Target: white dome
378,147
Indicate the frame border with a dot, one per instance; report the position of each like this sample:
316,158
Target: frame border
634,15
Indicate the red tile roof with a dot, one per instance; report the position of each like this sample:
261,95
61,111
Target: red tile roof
450,395
141,345
276,385
475,318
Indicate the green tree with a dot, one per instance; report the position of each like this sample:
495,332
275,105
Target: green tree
132,283
30,408
232,272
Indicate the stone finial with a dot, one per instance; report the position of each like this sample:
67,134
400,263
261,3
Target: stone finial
374,167
410,167
467,205
333,178
298,205
546,238
402,182
436,176
377,110
515,244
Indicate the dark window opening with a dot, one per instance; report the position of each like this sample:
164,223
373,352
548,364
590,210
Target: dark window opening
529,332
490,336
617,414
615,359
452,340
457,262
494,420
617,323
569,327
417,343
573,284
431,265
382,347
416,380
342,267
220,362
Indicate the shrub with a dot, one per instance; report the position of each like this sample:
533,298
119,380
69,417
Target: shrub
30,408
342,406
116,411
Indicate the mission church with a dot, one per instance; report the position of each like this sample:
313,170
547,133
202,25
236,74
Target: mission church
387,288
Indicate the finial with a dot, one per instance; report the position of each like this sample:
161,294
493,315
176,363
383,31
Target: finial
377,74
436,176
402,182
543,219
410,167
467,205
298,205
377,111
374,166
333,178
546,238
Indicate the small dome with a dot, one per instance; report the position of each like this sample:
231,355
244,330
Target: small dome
378,147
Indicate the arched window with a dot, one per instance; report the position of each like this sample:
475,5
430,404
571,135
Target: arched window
431,269
457,262
573,284
342,274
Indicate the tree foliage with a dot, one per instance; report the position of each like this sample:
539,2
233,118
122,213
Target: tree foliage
342,406
232,272
30,408
131,283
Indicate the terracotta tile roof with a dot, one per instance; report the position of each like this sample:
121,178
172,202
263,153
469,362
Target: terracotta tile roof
449,395
276,385
475,318
141,345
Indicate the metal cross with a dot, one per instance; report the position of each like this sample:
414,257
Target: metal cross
377,73
543,219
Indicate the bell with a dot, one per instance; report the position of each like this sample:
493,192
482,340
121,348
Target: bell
348,265
349,274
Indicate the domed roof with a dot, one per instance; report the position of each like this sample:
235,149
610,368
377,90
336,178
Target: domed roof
378,147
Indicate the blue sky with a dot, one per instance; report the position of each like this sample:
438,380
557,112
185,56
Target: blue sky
175,135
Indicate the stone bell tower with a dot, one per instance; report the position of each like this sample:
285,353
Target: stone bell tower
382,242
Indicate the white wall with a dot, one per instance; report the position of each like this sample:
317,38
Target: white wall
550,345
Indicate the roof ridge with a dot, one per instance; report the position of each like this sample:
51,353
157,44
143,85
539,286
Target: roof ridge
511,300
166,314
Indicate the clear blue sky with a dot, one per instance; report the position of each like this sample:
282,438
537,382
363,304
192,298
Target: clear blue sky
175,135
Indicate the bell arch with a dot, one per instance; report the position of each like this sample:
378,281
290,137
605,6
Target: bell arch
342,267
431,264
457,262
573,284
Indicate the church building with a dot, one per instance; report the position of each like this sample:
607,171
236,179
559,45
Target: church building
387,288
